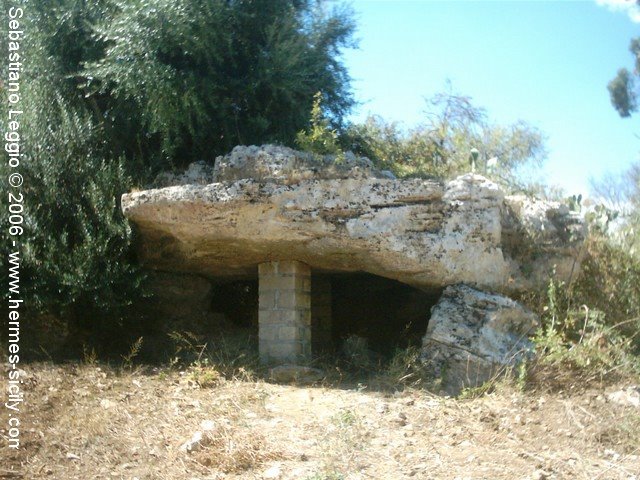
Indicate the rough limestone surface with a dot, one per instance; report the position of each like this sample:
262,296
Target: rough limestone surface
539,237
198,173
473,335
261,204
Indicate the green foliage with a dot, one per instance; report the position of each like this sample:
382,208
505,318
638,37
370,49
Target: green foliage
76,246
442,145
380,141
345,418
600,218
593,324
470,393
204,375
623,87
171,82
574,202
610,282
588,339
622,93
618,214
599,351
320,138
204,76
134,350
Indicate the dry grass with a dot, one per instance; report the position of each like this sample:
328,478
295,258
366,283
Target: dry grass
236,450
93,422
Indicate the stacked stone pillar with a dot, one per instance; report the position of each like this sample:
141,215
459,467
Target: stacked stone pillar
284,314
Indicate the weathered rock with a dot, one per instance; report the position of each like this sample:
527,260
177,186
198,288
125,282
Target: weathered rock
273,472
472,335
193,444
198,173
207,425
271,203
275,164
629,396
539,237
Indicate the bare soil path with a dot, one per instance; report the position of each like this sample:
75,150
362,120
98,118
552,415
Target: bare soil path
90,422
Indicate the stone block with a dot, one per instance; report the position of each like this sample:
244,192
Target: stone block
293,299
275,352
288,333
269,333
267,299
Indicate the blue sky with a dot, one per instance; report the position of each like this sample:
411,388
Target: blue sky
545,62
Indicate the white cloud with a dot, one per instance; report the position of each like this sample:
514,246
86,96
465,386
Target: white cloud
630,7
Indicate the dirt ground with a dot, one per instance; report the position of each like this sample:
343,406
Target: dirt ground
93,422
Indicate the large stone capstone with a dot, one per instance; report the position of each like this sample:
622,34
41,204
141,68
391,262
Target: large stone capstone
264,204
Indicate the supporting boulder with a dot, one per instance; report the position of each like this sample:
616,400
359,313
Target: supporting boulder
473,335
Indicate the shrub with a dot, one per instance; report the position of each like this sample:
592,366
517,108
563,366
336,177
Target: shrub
582,339
441,146
77,257
320,138
610,282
